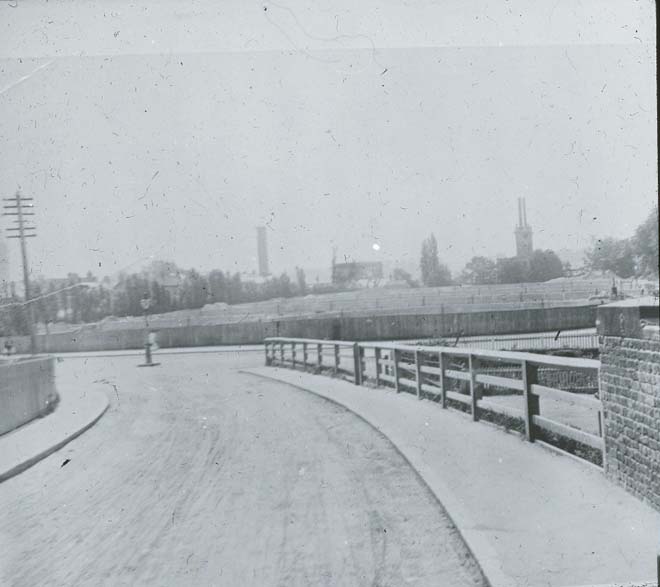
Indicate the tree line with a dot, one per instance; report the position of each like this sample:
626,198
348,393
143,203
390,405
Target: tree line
541,266
636,256
79,299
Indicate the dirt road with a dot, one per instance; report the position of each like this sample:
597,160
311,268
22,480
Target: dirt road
200,475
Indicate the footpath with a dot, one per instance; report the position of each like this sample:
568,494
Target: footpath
77,410
532,517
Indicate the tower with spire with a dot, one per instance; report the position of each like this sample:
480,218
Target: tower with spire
524,246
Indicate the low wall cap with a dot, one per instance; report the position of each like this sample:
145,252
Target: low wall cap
634,302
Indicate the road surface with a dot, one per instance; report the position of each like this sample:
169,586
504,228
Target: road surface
201,475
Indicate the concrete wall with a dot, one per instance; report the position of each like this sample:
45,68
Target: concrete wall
630,391
27,390
364,328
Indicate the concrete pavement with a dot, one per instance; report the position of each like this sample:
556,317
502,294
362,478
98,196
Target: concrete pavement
199,475
79,407
532,517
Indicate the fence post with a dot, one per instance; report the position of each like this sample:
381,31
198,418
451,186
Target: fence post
473,364
396,356
363,364
529,378
377,357
304,356
443,381
319,358
293,354
418,374
336,358
357,364
281,353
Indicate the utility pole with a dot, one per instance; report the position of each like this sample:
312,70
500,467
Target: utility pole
17,207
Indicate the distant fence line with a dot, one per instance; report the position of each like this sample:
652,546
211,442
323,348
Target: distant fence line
465,379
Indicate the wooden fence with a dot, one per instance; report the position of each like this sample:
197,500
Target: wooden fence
468,379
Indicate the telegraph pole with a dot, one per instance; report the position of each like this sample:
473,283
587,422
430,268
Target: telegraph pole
17,206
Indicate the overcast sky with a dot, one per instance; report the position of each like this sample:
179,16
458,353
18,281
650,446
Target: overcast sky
171,130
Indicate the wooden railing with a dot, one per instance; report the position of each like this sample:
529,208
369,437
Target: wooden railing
464,378
525,342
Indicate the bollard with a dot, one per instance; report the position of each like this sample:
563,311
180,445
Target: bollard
147,357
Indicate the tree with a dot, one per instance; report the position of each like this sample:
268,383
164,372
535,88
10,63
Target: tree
480,271
300,281
544,265
402,275
645,244
612,254
217,286
511,270
434,273
195,290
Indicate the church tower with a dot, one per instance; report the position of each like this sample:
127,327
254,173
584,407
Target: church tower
524,246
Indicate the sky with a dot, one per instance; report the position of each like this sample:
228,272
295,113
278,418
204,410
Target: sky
171,130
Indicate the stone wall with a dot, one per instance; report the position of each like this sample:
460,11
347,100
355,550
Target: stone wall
630,391
358,328
27,390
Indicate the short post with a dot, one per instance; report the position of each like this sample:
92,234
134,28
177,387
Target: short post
377,357
266,350
293,354
319,357
357,364
443,381
147,353
336,347
281,353
418,374
396,356
529,378
304,356
473,364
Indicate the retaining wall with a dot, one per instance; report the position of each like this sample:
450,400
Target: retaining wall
630,392
362,328
27,390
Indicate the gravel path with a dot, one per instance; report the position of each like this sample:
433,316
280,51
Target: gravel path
200,475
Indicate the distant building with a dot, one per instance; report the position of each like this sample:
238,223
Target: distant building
167,275
356,271
262,251
524,245
252,277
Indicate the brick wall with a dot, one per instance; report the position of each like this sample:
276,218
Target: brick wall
630,391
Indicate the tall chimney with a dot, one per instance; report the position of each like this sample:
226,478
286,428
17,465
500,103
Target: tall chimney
262,251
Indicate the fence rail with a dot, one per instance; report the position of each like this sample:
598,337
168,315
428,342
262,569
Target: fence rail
544,394
544,342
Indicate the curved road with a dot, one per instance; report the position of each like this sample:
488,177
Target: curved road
201,475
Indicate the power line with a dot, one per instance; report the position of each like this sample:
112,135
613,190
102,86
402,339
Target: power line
83,284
